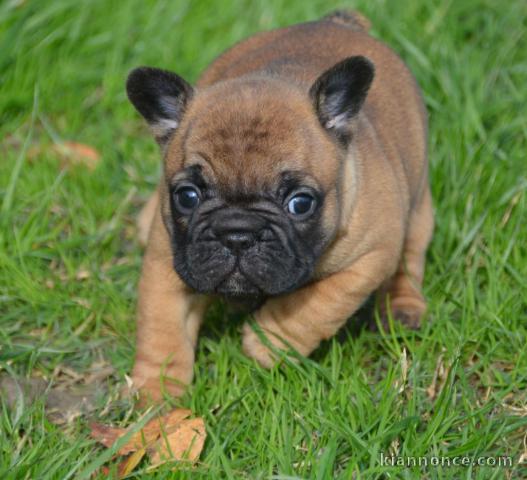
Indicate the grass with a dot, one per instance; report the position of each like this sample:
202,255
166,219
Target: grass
63,64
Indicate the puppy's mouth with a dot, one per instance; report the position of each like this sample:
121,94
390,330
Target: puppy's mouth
237,286
240,293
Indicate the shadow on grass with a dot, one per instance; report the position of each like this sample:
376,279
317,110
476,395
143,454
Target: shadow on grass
224,319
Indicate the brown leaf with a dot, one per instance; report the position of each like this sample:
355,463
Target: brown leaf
184,443
13,389
166,438
63,402
156,427
78,153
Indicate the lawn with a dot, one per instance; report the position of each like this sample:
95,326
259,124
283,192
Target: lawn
69,258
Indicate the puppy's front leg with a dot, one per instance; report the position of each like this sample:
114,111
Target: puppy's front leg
317,311
169,316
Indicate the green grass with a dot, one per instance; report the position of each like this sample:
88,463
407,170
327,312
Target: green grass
63,65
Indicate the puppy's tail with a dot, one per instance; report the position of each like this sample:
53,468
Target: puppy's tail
349,18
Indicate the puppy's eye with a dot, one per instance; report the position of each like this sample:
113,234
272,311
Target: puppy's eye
186,199
301,205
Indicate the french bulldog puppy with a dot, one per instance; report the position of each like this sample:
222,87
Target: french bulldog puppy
295,182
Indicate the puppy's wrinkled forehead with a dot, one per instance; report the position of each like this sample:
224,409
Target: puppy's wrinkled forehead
245,134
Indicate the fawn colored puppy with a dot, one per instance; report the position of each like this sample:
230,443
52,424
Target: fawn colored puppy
295,183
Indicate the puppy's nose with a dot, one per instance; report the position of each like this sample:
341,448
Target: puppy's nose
236,229
237,241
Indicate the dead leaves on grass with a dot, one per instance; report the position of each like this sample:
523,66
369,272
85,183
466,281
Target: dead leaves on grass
172,437
107,435
184,443
67,394
74,153
70,153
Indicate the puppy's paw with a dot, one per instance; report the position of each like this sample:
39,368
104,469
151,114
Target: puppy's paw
408,311
254,348
152,390
409,318
278,337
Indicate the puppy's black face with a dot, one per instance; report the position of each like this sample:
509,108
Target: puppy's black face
245,247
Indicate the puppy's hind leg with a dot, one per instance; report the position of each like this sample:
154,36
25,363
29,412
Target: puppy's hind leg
402,293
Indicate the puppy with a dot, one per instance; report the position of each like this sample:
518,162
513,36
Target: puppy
295,183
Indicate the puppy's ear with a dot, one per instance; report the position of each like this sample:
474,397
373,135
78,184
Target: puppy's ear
160,97
338,94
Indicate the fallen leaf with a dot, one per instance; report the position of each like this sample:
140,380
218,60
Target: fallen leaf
156,427
78,153
184,443
14,390
168,438
63,402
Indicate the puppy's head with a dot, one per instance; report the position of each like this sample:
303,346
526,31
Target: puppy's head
253,168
